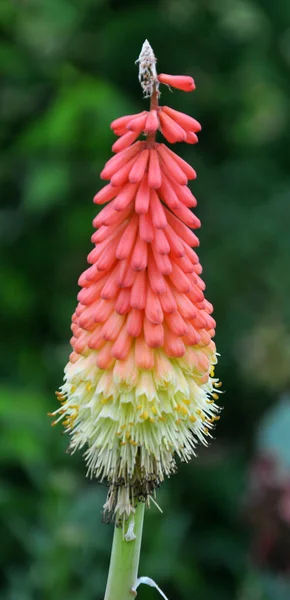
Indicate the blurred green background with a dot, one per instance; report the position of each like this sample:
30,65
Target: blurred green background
67,71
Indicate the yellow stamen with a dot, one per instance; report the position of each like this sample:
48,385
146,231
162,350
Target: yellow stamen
69,421
144,415
201,415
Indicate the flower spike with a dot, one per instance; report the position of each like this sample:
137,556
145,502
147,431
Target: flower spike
139,389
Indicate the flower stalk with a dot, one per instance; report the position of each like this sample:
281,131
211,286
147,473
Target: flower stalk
125,555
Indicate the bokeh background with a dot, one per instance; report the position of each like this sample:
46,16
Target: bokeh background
67,71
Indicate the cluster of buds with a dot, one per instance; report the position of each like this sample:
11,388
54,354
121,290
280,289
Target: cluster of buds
140,388
175,126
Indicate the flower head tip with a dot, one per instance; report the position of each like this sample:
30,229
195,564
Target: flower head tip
147,70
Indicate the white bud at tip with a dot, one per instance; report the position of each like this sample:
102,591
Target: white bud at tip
147,70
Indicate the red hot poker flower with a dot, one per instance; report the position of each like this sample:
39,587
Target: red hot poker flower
139,387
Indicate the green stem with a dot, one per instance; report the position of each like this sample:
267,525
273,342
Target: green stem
124,562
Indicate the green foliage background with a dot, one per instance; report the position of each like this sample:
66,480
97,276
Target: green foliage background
67,71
